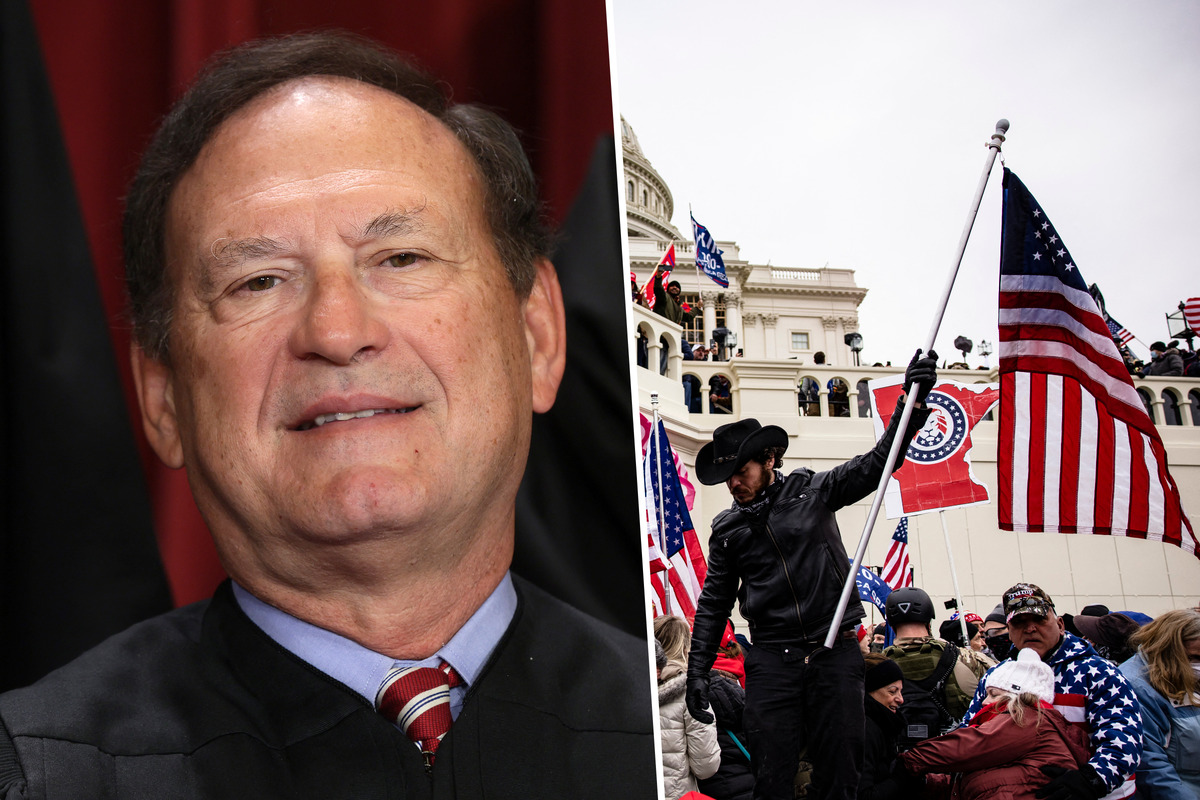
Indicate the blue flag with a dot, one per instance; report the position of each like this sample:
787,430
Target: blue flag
708,257
872,588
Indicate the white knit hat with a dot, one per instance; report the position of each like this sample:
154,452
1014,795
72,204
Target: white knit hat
1027,674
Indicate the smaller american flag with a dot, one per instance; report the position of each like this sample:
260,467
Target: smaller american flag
1117,330
896,566
674,532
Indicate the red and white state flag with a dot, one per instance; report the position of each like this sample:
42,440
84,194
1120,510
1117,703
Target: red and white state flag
937,467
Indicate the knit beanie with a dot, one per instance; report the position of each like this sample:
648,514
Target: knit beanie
1027,673
882,674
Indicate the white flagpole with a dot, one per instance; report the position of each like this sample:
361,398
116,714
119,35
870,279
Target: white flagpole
695,248
993,148
662,545
962,617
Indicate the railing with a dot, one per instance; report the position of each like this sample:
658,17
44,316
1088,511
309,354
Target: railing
795,274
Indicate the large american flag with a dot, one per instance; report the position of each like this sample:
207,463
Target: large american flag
673,536
1077,452
896,566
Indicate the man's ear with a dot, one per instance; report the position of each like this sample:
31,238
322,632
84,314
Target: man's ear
546,335
154,383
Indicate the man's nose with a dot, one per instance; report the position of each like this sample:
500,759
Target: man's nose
340,321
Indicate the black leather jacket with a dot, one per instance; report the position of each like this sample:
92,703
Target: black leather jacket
786,564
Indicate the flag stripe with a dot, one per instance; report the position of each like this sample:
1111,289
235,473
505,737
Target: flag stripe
1085,482
1036,471
1069,448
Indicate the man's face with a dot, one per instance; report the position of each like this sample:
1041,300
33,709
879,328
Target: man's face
673,290
752,478
1040,633
348,360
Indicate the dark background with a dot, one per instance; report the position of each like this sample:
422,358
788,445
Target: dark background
96,532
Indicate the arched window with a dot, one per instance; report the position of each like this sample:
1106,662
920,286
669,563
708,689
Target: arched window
1148,402
691,393
864,399
1171,415
645,198
720,395
810,397
628,191
839,398
1194,402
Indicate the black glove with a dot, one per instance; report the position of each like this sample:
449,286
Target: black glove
697,698
1071,784
922,372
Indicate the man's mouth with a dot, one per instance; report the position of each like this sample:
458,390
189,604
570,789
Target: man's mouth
343,416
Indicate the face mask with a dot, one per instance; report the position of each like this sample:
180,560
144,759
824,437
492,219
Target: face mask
1000,645
1196,669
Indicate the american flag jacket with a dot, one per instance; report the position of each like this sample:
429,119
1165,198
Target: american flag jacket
1092,693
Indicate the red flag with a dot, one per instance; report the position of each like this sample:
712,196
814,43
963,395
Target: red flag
1077,452
937,468
665,265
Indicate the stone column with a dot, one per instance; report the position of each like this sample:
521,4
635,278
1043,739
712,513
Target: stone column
831,343
769,338
848,325
750,321
654,354
733,316
710,314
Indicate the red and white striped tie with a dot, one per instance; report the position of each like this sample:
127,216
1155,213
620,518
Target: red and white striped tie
417,699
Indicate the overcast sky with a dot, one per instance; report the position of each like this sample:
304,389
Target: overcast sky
852,134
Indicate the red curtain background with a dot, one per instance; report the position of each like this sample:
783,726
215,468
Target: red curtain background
116,65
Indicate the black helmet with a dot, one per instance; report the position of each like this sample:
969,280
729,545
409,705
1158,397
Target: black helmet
907,605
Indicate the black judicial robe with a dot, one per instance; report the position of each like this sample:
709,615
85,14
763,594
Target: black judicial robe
200,703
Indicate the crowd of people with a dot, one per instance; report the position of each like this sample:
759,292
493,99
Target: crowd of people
1166,360
1032,704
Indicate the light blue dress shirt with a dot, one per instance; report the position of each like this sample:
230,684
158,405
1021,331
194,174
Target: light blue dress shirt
363,670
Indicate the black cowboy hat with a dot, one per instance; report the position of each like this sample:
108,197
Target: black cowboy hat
732,446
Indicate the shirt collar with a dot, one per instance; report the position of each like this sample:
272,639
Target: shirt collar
363,670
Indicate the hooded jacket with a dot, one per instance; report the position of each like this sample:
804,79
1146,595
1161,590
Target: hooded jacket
999,759
689,747
1092,694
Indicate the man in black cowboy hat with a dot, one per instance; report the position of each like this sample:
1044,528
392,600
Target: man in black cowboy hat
778,550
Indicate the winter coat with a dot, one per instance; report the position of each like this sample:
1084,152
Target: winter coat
1169,363
1170,768
689,747
1092,694
734,780
879,753
999,760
